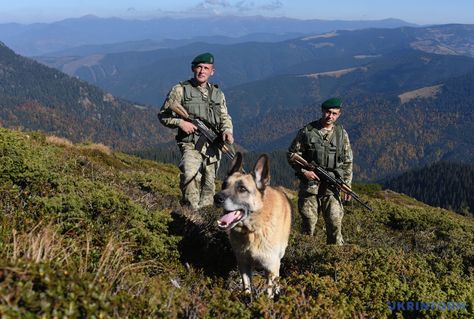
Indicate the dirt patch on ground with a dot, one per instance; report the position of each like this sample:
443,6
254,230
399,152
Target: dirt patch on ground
426,92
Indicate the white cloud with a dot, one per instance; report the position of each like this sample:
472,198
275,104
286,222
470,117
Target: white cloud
236,8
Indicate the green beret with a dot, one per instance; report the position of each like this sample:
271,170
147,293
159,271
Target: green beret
332,103
203,58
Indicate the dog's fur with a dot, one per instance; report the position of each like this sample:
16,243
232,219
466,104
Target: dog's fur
257,219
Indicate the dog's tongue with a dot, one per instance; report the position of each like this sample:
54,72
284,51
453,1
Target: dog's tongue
229,218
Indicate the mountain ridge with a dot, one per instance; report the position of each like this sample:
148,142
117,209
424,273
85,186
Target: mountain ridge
36,97
40,38
127,74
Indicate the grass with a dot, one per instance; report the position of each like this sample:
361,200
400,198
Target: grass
90,233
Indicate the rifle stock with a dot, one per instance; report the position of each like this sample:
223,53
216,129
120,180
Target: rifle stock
208,133
180,110
322,173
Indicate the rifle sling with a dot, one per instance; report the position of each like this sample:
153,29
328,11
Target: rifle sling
200,142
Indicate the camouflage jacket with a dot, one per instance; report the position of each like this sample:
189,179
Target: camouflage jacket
171,120
302,146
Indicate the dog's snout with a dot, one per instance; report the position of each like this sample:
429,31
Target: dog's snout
219,199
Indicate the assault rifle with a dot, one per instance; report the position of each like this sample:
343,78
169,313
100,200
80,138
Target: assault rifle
204,130
325,175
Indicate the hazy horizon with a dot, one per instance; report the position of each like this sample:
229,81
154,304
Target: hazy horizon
420,12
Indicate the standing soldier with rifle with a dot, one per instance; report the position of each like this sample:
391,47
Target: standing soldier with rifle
324,144
193,102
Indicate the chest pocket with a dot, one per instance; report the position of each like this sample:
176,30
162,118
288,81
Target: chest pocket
331,155
205,107
323,152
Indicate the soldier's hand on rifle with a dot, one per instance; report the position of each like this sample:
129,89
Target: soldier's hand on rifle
228,137
310,175
187,127
346,197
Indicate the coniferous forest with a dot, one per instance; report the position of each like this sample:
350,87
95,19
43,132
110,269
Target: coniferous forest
444,184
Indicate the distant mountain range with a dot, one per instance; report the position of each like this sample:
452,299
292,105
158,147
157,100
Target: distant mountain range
407,93
41,38
147,76
150,45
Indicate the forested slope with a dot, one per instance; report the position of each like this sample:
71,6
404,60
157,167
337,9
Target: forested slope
443,184
36,97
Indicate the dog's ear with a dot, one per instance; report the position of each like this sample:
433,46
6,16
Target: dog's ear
236,164
261,172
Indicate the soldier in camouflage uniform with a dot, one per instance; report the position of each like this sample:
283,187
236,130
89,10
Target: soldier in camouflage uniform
326,144
199,162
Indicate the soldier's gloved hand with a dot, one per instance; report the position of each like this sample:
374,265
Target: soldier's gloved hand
228,137
310,175
187,127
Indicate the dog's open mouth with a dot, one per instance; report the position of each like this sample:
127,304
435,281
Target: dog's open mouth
230,219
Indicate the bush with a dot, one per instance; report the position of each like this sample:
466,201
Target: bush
88,233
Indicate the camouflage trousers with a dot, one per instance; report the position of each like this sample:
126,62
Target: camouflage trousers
197,176
332,210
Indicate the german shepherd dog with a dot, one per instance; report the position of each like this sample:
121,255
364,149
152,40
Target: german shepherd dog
257,218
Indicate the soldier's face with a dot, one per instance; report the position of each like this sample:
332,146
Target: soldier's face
330,116
202,72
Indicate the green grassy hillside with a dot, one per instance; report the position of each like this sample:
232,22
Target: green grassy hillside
88,233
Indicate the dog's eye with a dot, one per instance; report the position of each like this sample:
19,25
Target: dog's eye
242,189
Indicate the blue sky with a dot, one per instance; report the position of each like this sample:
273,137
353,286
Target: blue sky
415,11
